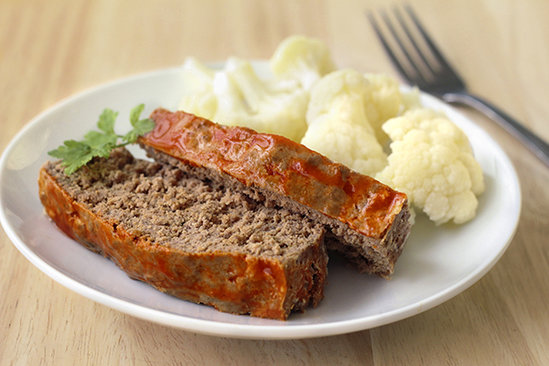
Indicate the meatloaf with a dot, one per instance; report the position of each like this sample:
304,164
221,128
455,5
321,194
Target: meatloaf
365,220
198,240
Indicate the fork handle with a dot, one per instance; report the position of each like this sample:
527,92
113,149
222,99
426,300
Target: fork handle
534,143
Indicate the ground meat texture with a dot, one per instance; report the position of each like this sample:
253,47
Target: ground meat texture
367,221
193,238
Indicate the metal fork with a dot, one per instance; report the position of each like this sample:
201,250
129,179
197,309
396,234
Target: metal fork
420,63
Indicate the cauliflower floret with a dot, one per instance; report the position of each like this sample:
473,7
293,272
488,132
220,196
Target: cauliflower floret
198,97
303,59
346,143
410,100
347,116
338,124
432,162
380,95
246,100
331,86
236,96
383,101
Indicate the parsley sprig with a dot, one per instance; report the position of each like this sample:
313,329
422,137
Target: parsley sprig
76,154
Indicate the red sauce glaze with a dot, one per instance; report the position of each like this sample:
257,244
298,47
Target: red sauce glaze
230,282
276,163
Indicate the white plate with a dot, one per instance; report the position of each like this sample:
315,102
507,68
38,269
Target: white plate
437,263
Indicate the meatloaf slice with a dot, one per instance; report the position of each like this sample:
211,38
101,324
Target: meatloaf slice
194,239
367,221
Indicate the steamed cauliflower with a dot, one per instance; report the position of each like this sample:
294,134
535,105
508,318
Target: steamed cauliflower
302,59
432,162
343,135
383,101
236,95
380,95
246,100
348,116
198,97
338,123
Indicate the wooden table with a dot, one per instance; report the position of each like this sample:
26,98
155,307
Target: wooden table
52,49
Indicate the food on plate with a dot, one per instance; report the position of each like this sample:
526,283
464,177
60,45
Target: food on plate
237,95
339,113
75,154
239,213
225,216
243,99
199,95
339,123
366,221
377,98
301,59
197,240
432,161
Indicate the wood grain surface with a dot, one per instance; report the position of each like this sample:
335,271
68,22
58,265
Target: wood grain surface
52,49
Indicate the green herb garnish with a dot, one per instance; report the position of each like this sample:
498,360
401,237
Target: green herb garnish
76,154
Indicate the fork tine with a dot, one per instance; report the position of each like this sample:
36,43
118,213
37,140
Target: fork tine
432,47
419,74
387,47
412,40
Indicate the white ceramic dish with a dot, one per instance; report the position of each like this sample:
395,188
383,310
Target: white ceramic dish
437,263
